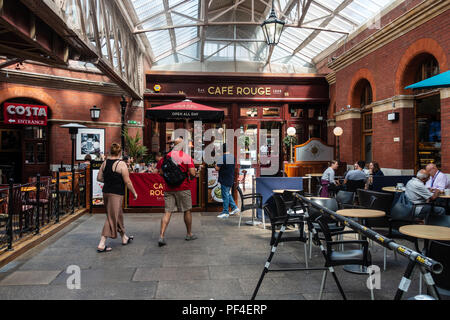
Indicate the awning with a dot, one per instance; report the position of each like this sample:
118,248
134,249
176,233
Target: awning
440,81
184,111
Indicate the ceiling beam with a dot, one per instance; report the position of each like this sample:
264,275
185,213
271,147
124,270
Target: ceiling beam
325,23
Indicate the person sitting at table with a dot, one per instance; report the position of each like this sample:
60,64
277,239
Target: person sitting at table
374,170
417,192
328,182
356,175
438,180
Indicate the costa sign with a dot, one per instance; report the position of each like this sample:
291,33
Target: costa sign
28,114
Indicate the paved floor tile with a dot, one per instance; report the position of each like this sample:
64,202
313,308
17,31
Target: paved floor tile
26,278
171,273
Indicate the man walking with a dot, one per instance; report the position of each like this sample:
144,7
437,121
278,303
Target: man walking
176,190
226,179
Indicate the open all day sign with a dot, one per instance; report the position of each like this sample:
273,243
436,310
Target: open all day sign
28,114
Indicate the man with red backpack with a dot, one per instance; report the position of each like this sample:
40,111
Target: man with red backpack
177,168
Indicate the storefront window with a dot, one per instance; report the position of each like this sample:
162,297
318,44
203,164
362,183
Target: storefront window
249,112
29,153
271,112
428,122
35,144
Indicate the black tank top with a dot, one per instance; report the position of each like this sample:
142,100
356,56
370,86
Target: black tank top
113,180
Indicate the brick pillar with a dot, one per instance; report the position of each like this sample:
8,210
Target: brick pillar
445,129
350,141
394,141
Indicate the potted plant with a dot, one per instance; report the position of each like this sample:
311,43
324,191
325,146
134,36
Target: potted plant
134,147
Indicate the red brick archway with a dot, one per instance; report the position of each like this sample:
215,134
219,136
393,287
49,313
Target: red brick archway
419,48
37,94
354,93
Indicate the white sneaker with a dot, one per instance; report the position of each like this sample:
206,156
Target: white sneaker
223,216
235,211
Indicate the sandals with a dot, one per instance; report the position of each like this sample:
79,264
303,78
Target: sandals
130,238
105,249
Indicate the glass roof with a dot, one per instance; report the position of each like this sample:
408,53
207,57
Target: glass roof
181,31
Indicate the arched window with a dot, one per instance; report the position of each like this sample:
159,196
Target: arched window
427,69
366,94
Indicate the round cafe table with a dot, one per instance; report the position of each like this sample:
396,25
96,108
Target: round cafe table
283,190
391,189
426,232
361,215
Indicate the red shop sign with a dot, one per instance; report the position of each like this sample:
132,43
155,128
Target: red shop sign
28,114
150,190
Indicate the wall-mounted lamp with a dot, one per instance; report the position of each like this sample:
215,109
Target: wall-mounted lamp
95,113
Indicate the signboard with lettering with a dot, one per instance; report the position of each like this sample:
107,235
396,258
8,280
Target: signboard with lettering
25,114
96,187
303,91
150,190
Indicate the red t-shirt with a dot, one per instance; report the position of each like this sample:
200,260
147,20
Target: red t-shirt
185,162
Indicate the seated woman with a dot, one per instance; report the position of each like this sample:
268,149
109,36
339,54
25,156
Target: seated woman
374,170
328,182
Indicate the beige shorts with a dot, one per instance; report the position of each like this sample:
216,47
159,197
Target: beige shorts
178,199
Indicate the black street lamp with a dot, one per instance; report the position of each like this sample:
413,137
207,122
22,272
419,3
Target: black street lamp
123,105
272,28
73,130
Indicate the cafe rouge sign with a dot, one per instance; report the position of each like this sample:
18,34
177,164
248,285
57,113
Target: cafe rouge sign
28,114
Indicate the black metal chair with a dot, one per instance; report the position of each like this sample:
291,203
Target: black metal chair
335,258
353,185
334,227
435,220
440,251
280,217
345,199
282,220
256,203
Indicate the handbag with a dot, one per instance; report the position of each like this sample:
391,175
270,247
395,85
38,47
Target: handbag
402,208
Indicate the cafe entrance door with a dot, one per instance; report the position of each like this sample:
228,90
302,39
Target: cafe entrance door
255,149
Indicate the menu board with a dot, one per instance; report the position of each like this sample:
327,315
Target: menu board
214,191
97,187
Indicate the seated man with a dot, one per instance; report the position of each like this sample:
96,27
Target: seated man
438,180
356,175
417,192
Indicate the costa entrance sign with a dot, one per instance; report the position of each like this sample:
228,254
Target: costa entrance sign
28,114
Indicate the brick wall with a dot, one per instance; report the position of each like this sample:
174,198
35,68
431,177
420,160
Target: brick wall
349,142
73,106
387,152
387,71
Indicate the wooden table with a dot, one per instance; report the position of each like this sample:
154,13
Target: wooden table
361,214
427,233
282,191
29,189
391,189
421,231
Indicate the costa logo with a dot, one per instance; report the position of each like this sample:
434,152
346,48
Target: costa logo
25,114
37,111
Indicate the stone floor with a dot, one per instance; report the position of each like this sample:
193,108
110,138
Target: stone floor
225,262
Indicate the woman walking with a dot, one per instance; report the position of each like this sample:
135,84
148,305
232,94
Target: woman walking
114,174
